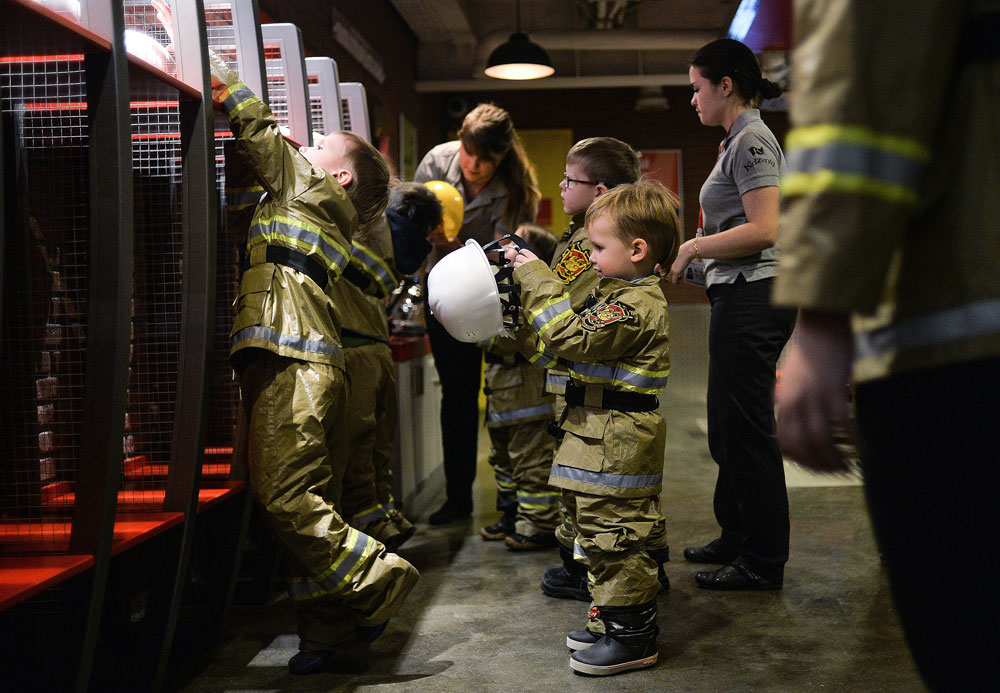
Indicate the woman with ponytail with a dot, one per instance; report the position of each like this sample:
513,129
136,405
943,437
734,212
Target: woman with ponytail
739,230
488,166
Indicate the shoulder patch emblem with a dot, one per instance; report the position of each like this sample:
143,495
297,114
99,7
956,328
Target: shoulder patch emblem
572,262
607,313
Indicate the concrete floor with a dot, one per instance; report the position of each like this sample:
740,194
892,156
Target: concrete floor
477,620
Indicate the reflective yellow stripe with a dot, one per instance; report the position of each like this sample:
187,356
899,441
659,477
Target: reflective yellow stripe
822,135
829,181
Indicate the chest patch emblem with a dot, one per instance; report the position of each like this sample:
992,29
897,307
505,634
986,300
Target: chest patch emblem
572,262
607,313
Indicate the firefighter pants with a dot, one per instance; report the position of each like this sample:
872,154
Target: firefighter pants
338,577
521,456
612,538
370,419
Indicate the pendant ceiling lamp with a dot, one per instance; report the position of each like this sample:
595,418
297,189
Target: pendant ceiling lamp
519,58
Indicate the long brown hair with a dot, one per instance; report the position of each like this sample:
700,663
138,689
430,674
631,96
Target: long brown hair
488,132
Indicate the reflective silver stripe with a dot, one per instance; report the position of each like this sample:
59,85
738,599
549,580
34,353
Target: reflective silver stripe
857,159
518,414
504,478
556,379
543,358
949,325
375,267
239,199
285,340
613,480
535,501
305,239
368,516
541,321
333,579
238,99
618,375
578,551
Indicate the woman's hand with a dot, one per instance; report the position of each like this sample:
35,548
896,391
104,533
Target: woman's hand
685,254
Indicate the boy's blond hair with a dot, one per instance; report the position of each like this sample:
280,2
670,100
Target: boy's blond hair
645,210
606,160
369,190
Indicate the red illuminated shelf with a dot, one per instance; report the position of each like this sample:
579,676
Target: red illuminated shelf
22,577
405,348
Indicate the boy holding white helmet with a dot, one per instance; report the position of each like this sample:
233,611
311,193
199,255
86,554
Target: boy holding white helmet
610,460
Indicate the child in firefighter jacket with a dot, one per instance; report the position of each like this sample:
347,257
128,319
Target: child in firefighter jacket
286,349
611,455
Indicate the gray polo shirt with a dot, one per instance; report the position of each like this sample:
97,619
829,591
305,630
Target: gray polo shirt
483,218
750,159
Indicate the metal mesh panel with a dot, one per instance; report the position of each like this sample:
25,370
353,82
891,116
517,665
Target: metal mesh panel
221,33
316,107
345,110
46,231
277,87
156,302
224,396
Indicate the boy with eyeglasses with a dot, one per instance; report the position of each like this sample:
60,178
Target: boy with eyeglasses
594,166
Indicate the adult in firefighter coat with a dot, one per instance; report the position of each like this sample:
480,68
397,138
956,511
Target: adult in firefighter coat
892,216
286,349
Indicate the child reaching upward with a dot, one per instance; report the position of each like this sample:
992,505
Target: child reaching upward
287,353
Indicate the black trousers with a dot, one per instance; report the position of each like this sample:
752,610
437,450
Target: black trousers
746,336
460,367
931,462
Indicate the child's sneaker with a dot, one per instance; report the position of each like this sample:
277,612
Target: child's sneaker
520,542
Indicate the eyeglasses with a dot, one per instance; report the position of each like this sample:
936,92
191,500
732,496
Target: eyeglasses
568,182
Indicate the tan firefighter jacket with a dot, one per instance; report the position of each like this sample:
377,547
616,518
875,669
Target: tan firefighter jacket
571,264
304,211
618,342
891,205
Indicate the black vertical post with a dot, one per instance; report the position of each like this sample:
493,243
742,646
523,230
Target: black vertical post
109,310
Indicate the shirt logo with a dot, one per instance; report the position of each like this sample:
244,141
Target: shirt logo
607,313
572,263
757,151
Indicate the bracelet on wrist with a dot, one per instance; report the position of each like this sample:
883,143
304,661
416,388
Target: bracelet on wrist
697,255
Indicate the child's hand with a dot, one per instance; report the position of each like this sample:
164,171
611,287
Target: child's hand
222,75
518,256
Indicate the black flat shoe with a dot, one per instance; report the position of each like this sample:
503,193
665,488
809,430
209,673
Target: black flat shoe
448,514
734,577
712,552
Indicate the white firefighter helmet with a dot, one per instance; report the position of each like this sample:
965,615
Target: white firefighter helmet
469,296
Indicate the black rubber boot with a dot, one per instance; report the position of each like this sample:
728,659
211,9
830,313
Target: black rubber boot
566,581
501,529
580,639
629,641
